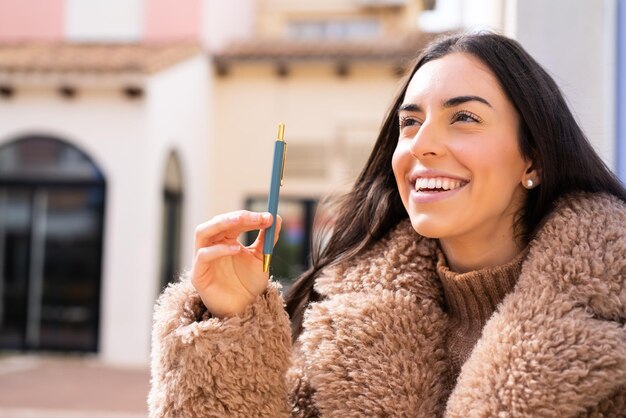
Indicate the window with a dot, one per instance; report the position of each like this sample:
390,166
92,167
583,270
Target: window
334,29
291,255
171,221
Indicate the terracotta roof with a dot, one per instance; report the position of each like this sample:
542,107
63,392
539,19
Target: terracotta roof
396,49
30,57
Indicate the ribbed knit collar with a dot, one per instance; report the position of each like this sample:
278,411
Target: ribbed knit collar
472,297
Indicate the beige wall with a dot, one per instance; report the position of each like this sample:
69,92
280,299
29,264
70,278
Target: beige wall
275,14
319,109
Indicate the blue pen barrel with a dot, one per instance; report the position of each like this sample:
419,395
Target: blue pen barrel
272,202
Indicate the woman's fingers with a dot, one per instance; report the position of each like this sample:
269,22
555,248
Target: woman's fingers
226,274
208,254
257,245
229,226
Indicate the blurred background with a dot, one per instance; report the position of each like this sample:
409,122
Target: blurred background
125,123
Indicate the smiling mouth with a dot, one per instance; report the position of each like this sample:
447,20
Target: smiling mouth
438,184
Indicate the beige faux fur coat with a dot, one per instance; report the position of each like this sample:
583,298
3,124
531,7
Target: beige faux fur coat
555,347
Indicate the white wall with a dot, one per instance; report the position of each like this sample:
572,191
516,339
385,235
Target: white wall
225,21
467,14
174,118
575,40
483,14
178,120
104,21
130,141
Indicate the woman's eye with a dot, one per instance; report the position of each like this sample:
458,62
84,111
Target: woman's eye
406,121
465,116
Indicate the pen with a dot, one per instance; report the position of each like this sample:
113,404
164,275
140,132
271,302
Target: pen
276,182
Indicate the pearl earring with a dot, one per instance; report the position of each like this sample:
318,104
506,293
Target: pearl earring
529,183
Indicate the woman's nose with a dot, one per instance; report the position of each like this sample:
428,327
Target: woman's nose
427,142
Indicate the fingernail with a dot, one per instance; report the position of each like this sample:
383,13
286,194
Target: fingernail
266,217
234,247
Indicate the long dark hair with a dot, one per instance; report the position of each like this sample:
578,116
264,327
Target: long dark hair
548,135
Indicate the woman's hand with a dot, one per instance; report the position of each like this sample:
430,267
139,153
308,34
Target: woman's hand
227,275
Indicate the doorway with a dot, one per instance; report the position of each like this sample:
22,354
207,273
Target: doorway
52,199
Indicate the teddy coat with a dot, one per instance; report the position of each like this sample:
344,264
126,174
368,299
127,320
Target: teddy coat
374,346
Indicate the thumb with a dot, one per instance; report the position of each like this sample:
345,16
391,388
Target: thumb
257,245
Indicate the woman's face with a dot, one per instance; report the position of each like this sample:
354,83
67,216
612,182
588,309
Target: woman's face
457,163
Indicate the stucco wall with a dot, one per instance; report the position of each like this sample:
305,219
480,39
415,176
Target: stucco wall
130,141
317,107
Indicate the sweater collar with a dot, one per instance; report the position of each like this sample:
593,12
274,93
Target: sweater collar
472,297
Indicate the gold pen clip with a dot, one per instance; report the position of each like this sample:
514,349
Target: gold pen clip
281,137
282,171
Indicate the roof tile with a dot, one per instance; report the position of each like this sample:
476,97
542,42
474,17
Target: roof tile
400,48
30,57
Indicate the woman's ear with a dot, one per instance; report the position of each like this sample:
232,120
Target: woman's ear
532,175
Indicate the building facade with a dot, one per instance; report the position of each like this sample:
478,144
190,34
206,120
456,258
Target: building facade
103,173
128,122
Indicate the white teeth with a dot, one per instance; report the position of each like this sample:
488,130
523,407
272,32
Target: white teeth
443,183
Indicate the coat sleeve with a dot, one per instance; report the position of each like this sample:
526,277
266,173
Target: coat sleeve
211,367
300,390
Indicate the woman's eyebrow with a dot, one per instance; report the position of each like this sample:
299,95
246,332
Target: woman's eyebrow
410,107
454,101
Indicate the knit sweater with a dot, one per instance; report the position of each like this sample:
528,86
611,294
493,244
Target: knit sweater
375,345
471,298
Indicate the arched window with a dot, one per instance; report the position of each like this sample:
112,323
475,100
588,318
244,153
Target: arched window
171,221
51,217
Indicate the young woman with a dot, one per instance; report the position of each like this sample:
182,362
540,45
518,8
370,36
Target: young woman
476,269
